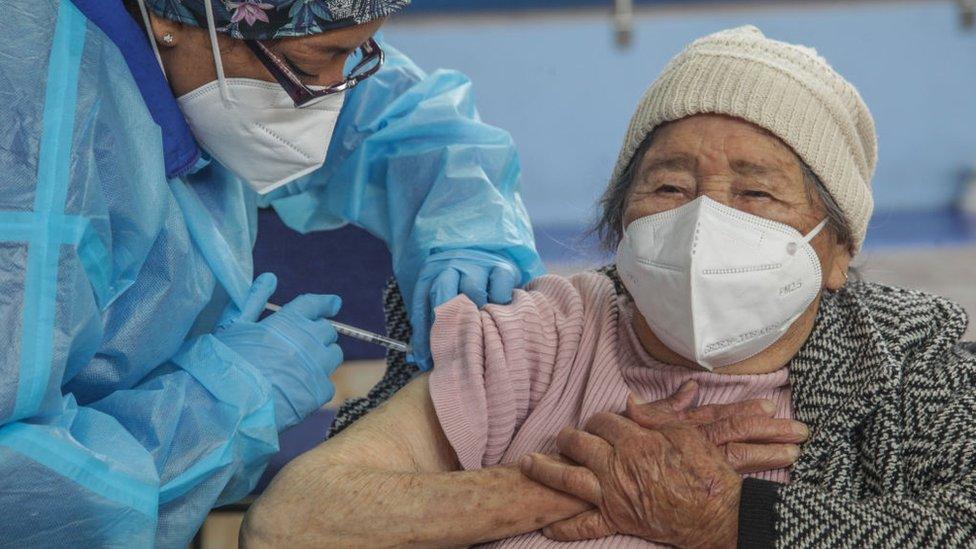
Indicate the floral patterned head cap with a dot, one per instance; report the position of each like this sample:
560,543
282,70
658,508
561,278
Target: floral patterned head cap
269,19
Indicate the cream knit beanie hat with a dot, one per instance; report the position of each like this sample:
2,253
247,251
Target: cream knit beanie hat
787,89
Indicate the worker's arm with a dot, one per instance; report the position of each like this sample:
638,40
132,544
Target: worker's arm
412,162
143,466
391,480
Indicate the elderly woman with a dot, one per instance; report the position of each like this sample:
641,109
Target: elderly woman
740,196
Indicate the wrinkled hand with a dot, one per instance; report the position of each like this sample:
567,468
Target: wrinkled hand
295,348
482,276
746,432
663,478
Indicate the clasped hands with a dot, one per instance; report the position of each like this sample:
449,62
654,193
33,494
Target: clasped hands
665,471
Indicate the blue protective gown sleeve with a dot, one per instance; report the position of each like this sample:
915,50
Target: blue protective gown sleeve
142,466
207,419
118,426
412,163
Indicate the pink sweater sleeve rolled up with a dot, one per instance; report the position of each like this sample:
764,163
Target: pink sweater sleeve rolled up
492,366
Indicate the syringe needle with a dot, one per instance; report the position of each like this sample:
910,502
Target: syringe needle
359,333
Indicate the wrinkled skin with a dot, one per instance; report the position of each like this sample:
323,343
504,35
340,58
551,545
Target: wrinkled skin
661,480
746,433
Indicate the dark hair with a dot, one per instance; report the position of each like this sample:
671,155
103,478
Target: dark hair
133,8
609,228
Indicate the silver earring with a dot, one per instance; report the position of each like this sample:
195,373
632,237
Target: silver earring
168,39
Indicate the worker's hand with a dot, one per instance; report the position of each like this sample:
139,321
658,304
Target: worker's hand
294,348
482,276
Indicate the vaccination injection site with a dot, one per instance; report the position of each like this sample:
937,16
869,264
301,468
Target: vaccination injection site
503,273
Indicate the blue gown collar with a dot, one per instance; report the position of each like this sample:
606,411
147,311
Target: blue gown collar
180,149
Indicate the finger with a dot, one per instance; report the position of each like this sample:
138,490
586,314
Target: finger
715,412
654,414
684,397
420,349
501,284
574,480
335,357
474,284
323,365
585,449
755,429
420,322
444,288
586,525
754,458
262,289
314,306
420,303
612,427
323,331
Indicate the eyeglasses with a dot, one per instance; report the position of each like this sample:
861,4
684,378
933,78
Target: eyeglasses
301,94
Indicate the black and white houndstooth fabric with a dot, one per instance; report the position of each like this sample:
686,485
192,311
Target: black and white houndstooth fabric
890,397
399,372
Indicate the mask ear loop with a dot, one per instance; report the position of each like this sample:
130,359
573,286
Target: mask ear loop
792,247
152,36
816,230
218,64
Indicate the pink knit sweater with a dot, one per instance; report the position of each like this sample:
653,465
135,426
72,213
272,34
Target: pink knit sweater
506,379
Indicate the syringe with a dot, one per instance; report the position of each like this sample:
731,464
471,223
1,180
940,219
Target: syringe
359,333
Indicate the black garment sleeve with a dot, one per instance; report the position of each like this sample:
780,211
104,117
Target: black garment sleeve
756,519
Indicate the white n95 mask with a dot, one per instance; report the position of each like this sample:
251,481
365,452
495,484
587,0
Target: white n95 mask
256,131
252,127
715,284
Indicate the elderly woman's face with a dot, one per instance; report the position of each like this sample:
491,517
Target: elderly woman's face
738,164
749,169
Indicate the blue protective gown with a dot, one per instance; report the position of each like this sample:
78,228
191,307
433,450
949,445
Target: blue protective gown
122,420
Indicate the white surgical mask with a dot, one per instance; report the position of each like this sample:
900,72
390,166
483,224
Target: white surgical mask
715,284
257,133
253,128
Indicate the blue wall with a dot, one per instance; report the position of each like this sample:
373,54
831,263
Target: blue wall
558,83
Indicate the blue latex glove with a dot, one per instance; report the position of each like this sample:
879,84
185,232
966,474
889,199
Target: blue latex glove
482,276
262,289
295,348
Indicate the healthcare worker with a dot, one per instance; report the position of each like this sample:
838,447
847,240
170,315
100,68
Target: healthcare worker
139,387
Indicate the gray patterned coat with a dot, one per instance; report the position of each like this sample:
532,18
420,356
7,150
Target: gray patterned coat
890,398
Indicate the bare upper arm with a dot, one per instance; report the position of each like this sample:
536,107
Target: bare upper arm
403,434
